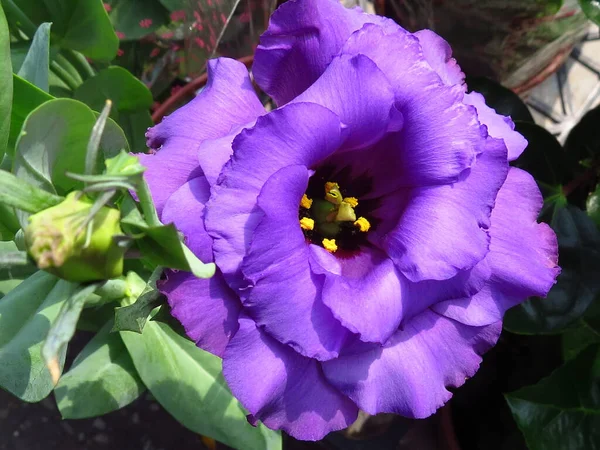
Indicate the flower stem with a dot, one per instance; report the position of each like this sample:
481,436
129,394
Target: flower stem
79,62
64,75
113,290
148,208
24,22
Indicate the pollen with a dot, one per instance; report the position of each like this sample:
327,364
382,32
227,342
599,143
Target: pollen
330,245
352,201
306,223
362,224
330,185
306,202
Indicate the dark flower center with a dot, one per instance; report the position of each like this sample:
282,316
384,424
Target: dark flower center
331,217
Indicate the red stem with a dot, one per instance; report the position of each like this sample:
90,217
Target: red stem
188,90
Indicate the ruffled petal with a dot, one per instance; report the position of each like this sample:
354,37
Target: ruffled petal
185,209
499,127
302,38
207,308
442,230
419,154
285,296
409,375
228,100
301,133
356,90
438,55
365,292
429,293
281,388
523,255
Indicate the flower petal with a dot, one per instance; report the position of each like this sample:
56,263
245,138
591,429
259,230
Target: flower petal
438,54
365,292
301,133
523,255
442,230
420,154
285,297
409,375
228,100
356,90
281,388
429,293
207,308
185,209
302,38
499,127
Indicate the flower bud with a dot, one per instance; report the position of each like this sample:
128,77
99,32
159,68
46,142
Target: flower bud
61,241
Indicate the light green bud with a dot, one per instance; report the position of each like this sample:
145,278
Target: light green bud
60,241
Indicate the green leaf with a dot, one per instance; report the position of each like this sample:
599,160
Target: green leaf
127,17
26,98
577,285
131,101
18,272
189,384
20,194
503,100
81,25
57,128
8,285
160,244
135,125
36,65
113,139
101,380
63,329
25,317
134,317
92,160
591,8
163,247
118,85
586,332
563,410
54,142
6,93
11,259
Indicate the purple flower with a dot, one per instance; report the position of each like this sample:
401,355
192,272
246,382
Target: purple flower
369,234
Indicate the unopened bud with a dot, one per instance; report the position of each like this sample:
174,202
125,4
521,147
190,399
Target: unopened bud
65,241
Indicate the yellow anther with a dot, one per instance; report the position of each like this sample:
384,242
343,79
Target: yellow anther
362,224
306,202
329,245
330,185
352,201
306,223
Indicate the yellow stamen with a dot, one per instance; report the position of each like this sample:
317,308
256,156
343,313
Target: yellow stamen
329,245
306,202
352,201
362,224
330,185
306,223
